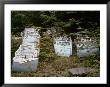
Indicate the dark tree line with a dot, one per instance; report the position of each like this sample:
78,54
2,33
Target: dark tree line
68,21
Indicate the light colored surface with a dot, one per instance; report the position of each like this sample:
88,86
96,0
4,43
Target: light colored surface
28,66
27,52
63,46
80,70
88,51
86,45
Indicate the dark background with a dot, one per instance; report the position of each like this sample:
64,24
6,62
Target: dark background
2,2
56,1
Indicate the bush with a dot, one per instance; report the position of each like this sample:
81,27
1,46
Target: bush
47,52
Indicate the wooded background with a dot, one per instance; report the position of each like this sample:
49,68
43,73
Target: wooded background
67,21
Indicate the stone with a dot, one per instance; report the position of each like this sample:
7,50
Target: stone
27,66
26,57
88,52
86,46
63,46
80,70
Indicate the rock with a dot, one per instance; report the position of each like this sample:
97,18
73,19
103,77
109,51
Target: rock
80,70
63,46
26,57
86,46
26,66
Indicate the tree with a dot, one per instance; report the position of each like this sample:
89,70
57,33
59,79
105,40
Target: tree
68,21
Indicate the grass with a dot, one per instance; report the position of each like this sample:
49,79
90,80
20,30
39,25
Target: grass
51,65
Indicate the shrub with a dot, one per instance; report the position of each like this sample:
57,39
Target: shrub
47,52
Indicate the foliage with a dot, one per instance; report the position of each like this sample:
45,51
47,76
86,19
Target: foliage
69,21
92,61
46,48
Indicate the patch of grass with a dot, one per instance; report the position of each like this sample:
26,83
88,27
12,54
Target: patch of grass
62,63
